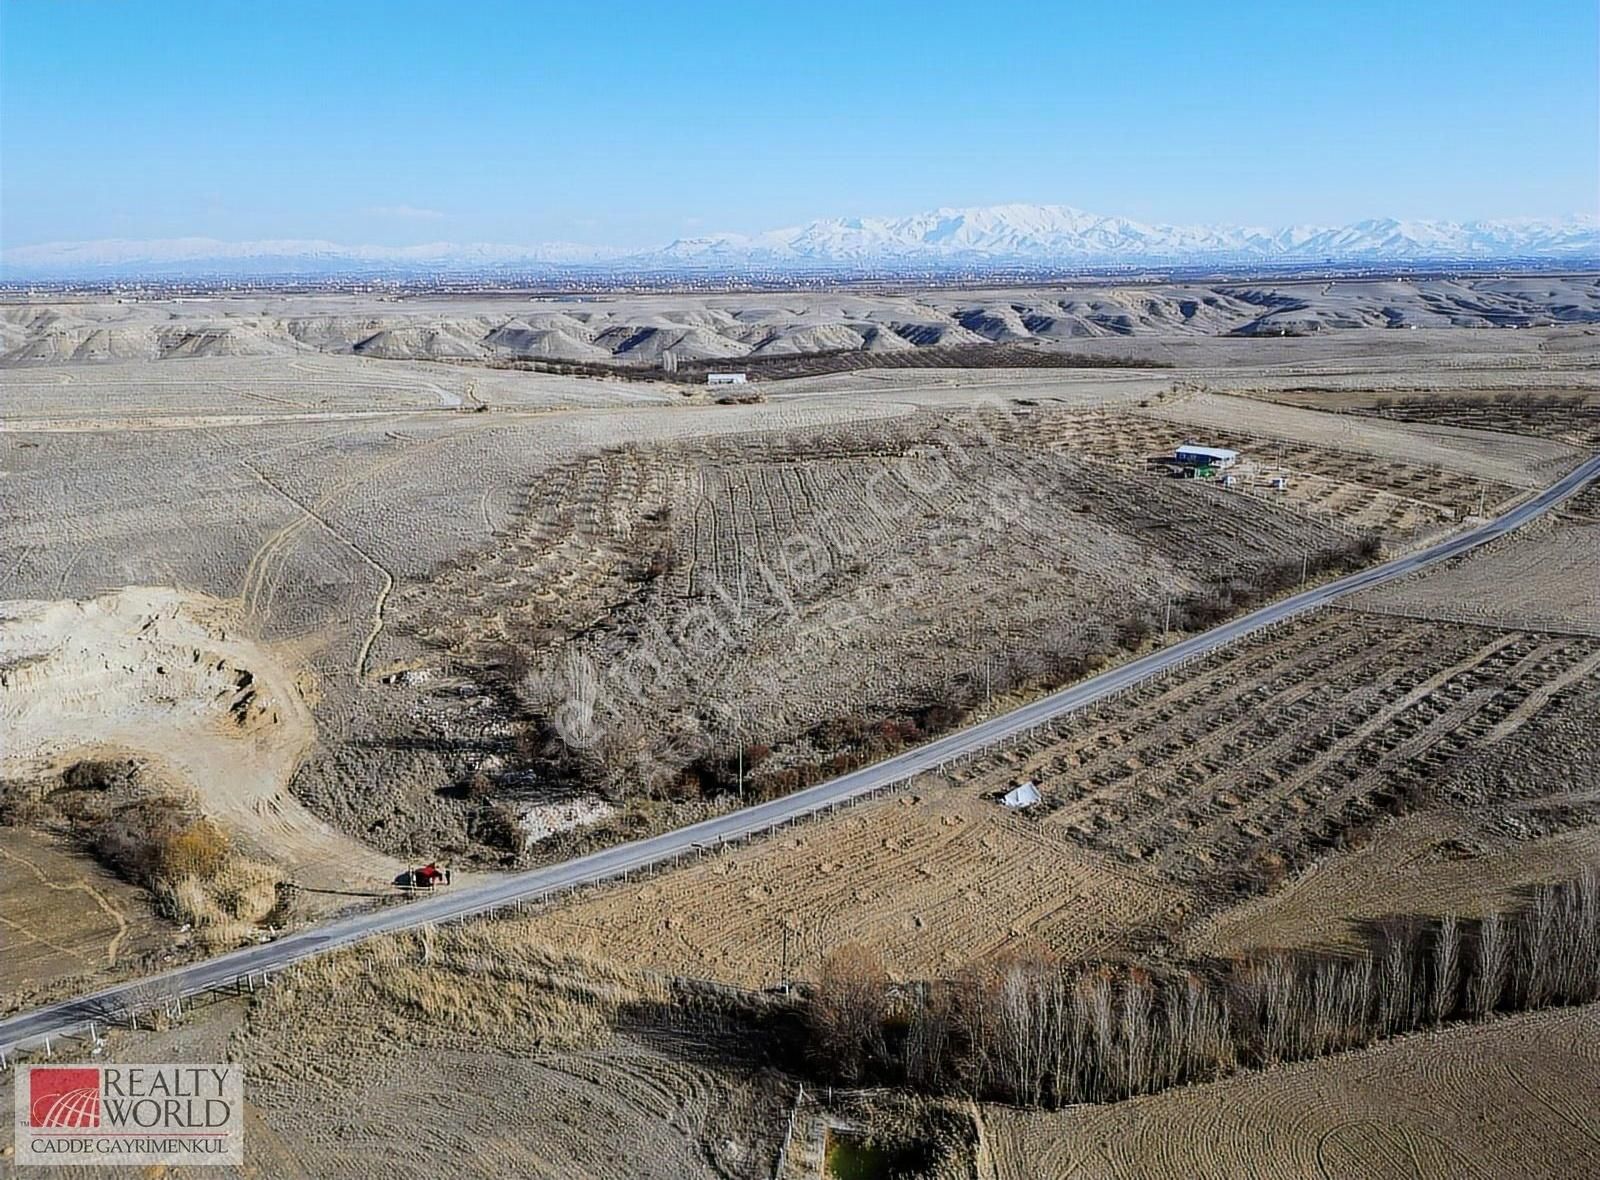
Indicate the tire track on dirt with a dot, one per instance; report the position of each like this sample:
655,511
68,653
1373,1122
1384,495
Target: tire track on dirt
81,885
262,564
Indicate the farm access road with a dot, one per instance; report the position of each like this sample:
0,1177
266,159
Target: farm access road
665,849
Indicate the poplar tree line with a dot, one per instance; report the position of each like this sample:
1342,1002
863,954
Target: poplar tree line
1026,1028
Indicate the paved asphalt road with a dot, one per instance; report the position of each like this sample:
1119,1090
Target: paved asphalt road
74,1014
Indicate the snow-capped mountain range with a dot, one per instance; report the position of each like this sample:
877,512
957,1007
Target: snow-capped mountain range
1062,234
1037,236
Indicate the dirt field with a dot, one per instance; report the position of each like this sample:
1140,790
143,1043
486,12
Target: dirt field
1568,415
514,1054
1160,808
1289,751
357,591
1286,744
66,921
423,564
1518,461
388,546
301,529
535,1065
837,580
932,880
1512,1099
1546,577
1440,862
1353,489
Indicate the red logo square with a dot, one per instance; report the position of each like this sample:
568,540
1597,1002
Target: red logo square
64,1097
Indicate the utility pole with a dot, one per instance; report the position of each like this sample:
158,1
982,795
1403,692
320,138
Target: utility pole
783,975
1305,566
1166,624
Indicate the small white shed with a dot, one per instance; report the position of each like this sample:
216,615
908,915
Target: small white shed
725,379
1025,795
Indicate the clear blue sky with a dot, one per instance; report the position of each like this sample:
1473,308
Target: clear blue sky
631,124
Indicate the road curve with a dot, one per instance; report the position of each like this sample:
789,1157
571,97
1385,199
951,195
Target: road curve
74,1014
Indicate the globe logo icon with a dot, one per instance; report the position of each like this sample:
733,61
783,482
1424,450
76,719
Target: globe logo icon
64,1098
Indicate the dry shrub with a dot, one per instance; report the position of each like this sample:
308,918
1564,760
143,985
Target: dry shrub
191,901
197,850
226,905
189,864
224,935
188,900
848,1009
134,839
246,890
22,804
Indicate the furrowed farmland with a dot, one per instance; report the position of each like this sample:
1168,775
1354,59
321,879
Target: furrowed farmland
1509,1099
314,616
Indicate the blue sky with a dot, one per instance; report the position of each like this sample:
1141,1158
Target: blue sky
631,124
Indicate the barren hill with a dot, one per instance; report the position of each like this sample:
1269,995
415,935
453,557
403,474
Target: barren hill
642,330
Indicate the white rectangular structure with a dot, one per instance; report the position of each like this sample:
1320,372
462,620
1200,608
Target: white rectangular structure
1205,456
724,378
1025,795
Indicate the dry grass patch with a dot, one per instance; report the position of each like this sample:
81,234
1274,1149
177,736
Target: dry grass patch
1544,576
485,985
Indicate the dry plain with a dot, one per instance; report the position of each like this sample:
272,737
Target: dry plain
399,537
431,601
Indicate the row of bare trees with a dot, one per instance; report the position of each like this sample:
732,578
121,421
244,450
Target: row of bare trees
1028,1029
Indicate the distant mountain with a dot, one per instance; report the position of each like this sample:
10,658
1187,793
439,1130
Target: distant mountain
1037,236
1060,234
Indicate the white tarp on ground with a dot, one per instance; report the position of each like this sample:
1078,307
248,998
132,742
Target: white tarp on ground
1024,796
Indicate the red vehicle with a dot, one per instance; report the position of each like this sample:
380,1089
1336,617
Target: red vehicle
428,876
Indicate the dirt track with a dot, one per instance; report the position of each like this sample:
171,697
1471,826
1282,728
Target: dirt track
64,920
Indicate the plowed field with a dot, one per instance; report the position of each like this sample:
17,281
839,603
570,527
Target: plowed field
1513,1099
932,882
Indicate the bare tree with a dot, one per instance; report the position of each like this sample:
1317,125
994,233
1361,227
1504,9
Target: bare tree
1276,988
1537,943
1136,1003
1207,1031
1092,1004
1488,977
1445,974
1577,922
1395,989
930,1027
848,1010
